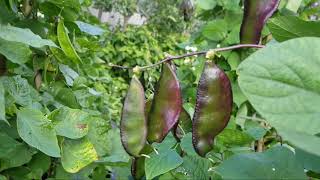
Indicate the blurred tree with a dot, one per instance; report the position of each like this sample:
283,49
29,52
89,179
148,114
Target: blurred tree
125,7
166,15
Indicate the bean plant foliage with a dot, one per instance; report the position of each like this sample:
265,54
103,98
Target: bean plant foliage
81,101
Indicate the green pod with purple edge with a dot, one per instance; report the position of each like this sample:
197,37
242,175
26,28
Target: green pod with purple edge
256,14
213,108
166,105
133,123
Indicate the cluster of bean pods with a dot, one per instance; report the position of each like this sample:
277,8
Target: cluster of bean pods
144,123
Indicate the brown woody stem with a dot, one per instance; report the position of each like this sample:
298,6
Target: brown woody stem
200,53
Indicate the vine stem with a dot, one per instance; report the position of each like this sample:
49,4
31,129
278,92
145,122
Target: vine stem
199,53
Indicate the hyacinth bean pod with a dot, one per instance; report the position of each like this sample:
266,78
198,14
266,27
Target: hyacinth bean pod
133,124
166,105
256,14
213,108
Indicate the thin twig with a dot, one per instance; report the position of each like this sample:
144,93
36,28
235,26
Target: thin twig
170,58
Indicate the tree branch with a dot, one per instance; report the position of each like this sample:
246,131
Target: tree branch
171,58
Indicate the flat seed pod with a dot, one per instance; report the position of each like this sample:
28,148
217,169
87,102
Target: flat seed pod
133,124
183,126
66,44
166,105
256,14
213,108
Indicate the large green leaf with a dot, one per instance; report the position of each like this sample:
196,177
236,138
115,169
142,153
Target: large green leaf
71,123
98,135
196,167
39,164
20,90
36,130
25,36
215,30
66,97
282,82
275,163
76,154
309,161
233,137
306,142
288,27
161,163
13,153
118,154
2,104
15,52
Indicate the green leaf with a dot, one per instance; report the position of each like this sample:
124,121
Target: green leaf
166,144
234,58
39,165
20,90
71,123
76,154
65,43
233,137
255,130
69,74
161,163
301,140
13,153
206,4
229,4
83,174
90,29
283,85
66,97
98,136
2,104
215,30
196,167
75,4
7,145
293,5
275,163
17,173
186,144
242,112
289,27
36,130
25,36
15,52
238,97
309,161
118,153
